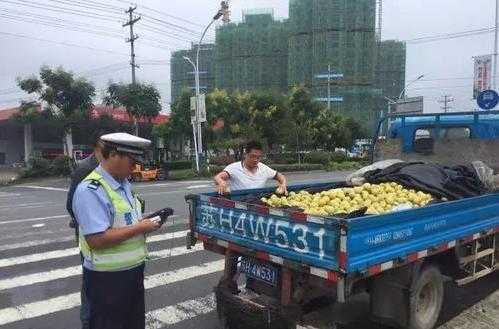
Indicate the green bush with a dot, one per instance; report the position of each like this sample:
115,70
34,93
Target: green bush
179,165
182,174
296,167
222,160
61,166
215,169
345,166
37,167
282,158
339,157
41,167
318,157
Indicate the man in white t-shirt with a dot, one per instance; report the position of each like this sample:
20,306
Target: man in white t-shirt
249,173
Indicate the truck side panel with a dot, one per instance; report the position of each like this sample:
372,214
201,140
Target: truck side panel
378,239
314,244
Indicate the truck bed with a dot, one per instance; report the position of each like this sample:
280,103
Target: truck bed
328,245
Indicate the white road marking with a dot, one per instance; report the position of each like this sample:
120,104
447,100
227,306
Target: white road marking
8,194
47,188
42,242
75,251
27,205
32,219
38,225
33,243
65,302
193,187
173,314
21,236
63,273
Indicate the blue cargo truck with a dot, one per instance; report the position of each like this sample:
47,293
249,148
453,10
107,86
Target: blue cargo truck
282,265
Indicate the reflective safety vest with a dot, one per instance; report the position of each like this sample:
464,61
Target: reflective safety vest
126,254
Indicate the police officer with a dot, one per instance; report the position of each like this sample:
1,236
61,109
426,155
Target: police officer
83,169
112,236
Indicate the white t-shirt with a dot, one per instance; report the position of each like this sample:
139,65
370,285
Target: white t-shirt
242,179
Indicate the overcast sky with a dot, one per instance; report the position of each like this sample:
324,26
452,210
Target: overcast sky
446,64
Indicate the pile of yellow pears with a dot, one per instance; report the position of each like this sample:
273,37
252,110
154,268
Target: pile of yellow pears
377,198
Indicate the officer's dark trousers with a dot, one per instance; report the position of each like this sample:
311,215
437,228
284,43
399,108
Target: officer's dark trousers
116,299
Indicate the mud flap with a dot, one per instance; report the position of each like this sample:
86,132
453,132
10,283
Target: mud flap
390,294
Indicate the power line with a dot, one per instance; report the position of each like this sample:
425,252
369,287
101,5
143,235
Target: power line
61,26
440,87
51,19
95,15
87,6
88,28
162,13
63,43
83,30
175,26
448,36
64,10
67,44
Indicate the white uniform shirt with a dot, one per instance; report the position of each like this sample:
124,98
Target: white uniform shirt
243,179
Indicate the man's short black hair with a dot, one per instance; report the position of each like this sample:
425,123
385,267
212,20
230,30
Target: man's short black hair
252,145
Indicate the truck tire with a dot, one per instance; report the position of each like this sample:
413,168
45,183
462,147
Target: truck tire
426,299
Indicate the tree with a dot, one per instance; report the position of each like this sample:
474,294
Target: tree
139,100
179,129
27,115
68,98
303,113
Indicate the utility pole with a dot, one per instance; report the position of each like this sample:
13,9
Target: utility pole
133,37
329,87
447,99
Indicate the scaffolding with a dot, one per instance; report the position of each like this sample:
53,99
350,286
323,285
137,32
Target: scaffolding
262,53
252,55
339,34
390,67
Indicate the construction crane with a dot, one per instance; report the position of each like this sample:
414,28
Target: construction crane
380,19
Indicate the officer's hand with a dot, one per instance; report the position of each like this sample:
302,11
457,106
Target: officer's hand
148,226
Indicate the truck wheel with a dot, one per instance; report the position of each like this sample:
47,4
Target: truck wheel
427,295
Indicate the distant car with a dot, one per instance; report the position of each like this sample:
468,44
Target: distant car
19,164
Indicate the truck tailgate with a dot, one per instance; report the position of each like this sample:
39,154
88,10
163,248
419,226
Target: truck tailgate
292,236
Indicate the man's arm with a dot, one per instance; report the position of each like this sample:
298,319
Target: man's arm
221,180
282,183
114,236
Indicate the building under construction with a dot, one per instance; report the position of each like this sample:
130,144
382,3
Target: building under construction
182,72
330,46
252,55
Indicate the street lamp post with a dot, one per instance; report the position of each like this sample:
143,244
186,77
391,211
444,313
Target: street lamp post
222,12
194,121
407,86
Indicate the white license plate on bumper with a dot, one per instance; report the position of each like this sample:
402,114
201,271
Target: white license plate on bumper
260,271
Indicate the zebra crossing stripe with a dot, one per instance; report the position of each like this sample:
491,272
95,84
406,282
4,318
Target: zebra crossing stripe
183,311
66,302
27,244
75,251
29,279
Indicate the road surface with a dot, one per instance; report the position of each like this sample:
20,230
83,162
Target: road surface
40,270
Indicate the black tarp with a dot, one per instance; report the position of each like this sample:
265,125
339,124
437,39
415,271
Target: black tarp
452,183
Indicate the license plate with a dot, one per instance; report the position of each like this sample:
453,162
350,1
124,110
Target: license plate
259,271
